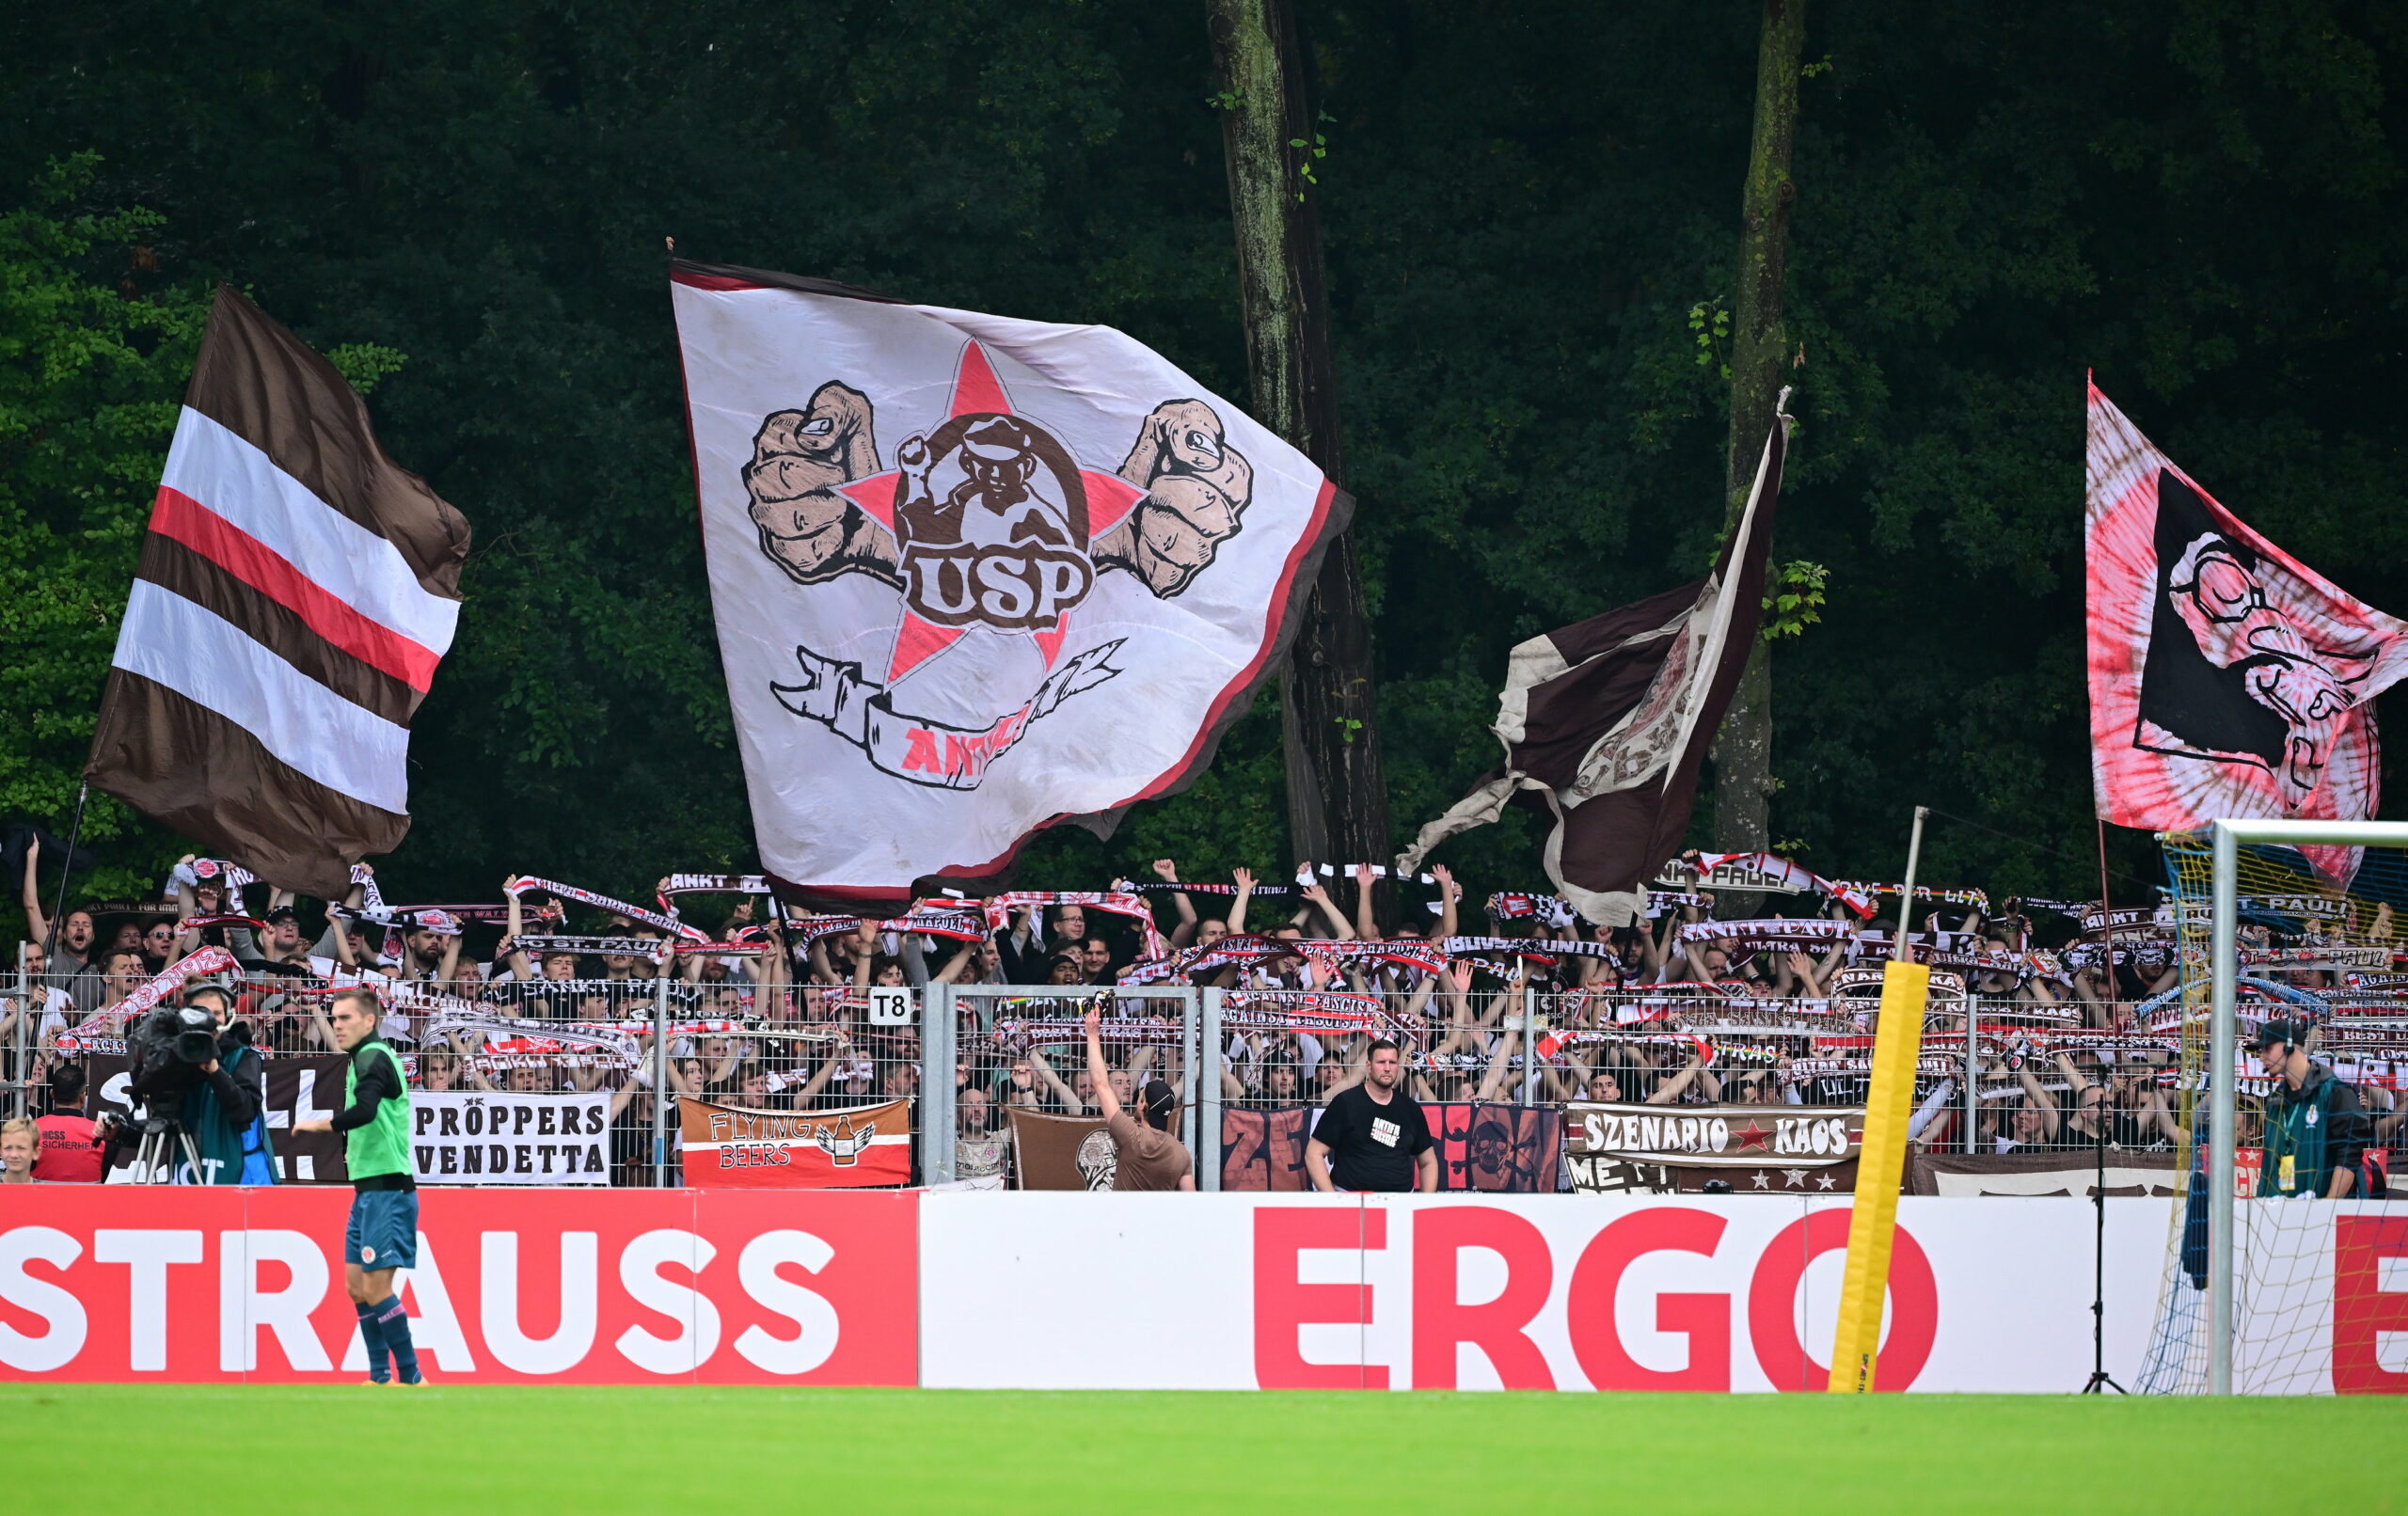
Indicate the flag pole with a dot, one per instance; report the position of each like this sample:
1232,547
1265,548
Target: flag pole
66,867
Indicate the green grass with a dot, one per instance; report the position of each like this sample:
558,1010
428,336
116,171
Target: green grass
398,1453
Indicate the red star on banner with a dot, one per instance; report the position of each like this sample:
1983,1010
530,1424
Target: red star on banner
1754,1136
976,391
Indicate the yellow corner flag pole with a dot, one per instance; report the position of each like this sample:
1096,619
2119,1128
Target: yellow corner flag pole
1873,1216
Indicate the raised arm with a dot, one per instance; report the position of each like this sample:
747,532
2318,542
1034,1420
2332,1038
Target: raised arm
1184,933
1099,1072
1244,878
37,924
1328,908
1366,923
521,967
1670,1090
1450,896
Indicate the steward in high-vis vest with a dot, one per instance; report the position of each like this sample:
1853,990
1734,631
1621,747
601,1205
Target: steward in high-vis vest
2315,1124
383,1232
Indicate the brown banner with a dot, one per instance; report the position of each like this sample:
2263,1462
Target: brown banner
850,1148
1060,1152
2064,1172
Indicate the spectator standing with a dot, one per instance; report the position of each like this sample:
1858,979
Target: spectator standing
2315,1127
70,1151
1372,1136
1148,1156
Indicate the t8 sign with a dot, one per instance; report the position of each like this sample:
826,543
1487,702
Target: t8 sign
130,1283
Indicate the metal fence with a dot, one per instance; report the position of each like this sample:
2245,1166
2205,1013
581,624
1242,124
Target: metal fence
1997,1074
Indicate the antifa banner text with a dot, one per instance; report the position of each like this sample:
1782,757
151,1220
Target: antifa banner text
1497,1149
295,1089
731,1148
499,1137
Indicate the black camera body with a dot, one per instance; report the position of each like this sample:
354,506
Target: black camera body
165,1050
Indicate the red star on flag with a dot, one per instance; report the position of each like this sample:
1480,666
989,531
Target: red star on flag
976,391
1755,1136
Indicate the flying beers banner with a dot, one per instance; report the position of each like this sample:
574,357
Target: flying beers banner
860,1145
973,576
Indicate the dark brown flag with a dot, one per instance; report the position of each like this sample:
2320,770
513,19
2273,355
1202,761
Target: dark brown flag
1610,719
295,595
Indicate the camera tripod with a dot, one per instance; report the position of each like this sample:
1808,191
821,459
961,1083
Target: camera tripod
152,1156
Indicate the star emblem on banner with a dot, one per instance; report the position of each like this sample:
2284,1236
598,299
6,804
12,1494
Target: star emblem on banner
1100,501
1754,1136
1827,1181
1759,1177
1793,1179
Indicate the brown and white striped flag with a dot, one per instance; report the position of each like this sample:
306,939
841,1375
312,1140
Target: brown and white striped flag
295,590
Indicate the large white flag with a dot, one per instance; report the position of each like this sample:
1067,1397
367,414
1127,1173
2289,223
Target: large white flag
973,576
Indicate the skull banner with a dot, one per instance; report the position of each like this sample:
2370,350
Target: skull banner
2227,680
973,576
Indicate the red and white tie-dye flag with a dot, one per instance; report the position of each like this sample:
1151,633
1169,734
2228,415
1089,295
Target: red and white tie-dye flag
2227,680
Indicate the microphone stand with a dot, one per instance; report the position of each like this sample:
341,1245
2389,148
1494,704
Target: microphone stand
2101,1381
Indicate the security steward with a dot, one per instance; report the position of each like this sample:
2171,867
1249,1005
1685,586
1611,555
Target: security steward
2316,1127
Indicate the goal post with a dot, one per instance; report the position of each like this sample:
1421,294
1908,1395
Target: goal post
2227,840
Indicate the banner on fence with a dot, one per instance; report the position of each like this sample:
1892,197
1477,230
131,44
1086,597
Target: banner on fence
1755,1150
2073,1172
1498,1149
728,1146
1061,1152
501,1137
292,1089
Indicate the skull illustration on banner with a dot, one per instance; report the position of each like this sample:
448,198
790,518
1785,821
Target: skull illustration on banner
2227,680
1044,601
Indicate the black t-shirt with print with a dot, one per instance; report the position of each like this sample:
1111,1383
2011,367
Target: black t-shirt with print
1372,1146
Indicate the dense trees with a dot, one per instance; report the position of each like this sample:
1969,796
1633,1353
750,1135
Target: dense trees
1523,204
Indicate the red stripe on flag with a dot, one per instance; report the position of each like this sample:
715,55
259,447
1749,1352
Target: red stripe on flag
178,515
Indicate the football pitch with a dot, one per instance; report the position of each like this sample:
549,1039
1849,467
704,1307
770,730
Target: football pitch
104,1448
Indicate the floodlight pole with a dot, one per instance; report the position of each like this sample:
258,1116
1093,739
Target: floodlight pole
661,1070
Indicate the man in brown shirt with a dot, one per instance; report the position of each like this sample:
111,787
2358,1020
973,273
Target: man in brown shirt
1147,1156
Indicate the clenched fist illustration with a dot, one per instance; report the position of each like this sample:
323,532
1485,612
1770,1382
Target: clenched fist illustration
1197,487
799,458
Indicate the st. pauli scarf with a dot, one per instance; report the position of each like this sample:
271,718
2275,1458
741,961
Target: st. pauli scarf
651,949
501,1056
712,884
1237,949
1320,1012
1465,947
1662,902
415,919
651,917
195,923
1113,902
952,923
645,989
147,995
1975,898
1020,1035
1772,934
1514,905
1157,887
447,1024
1404,953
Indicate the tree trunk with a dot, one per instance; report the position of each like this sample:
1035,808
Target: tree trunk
1338,808
1760,346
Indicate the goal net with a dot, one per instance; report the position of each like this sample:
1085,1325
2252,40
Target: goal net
2314,946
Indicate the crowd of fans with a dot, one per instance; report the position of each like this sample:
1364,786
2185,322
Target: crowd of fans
1730,996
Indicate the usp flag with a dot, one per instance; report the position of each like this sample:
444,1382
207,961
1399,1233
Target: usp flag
973,576
2227,680
294,593
1609,719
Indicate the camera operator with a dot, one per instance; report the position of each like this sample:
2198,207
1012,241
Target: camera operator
218,1102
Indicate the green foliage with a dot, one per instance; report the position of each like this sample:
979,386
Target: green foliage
1796,601
2200,202
95,348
